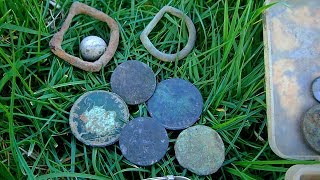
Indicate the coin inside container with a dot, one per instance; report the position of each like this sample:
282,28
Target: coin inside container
311,127
176,104
316,89
134,81
200,149
97,118
143,141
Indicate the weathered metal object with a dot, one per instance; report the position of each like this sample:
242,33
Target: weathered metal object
176,103
143,141
200,149
97,118
316,89
311,127
92,47
80,8
134,81
164,56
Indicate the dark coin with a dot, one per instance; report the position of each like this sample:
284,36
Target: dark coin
316,89
143,141
311,127
97,118
200,150
176,103
134,81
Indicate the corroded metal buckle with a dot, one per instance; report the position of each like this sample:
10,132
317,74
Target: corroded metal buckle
80,8
164,56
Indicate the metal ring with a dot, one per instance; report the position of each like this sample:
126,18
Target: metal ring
80,8
164,56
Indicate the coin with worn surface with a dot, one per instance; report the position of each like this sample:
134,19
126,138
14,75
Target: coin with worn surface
311,127
316,89
200,149
97,118
176,103
92,47
134,81
143,141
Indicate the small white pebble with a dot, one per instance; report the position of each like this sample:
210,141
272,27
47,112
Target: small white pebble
92,47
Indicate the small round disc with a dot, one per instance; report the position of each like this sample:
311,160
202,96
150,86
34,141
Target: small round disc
176,103
200,149
134,81
92,47
311,127
316,89
143,141
97,118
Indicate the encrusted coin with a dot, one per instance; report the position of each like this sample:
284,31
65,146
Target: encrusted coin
200,149
92,47
316,89
143,141
176,103
311,127
134,81
97,118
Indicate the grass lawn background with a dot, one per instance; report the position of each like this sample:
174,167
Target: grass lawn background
38,89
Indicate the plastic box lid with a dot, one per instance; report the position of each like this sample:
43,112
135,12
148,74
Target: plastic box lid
292,62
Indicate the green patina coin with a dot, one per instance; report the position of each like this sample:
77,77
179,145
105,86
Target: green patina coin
97,118
200,149
311,127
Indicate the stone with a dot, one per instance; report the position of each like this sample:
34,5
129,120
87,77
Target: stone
80,8
134,81
163,56
176,104
143,141
311,127
200,149
92,47
97,118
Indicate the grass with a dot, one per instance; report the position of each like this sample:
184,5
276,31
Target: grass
38,89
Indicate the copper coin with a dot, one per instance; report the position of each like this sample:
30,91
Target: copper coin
97,118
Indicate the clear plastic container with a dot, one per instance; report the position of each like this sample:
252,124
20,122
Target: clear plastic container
303,172
292,61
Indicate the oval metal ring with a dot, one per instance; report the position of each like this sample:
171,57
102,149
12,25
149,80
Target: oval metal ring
164,56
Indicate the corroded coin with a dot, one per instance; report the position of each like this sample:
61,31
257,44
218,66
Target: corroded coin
97,118
176,103
316,89
143,141
134,81
311,127
200,150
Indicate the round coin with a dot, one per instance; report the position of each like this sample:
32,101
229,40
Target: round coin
176,103
311,127
143,141
316,89
134,81
97,118
200,150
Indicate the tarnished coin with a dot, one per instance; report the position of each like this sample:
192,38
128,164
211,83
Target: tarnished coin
200,149
134,81
316,89
97,118
143,141
176,103
311,127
